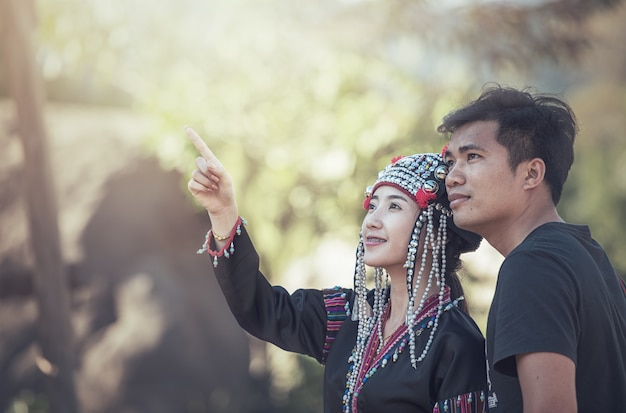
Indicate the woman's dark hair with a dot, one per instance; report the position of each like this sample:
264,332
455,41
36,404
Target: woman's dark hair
453,265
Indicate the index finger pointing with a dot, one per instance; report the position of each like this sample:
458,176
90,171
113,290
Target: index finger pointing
200,145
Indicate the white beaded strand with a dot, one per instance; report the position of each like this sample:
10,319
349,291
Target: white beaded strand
379,303
364,328
428,242
439,274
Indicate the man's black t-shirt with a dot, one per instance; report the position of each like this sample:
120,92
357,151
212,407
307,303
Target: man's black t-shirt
558,292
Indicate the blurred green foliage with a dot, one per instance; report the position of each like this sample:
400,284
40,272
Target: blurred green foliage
304,103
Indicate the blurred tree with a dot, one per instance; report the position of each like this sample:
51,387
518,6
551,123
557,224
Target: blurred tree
55,337
501,33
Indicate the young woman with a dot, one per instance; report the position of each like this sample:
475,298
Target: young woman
407,345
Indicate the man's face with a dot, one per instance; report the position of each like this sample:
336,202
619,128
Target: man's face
484,193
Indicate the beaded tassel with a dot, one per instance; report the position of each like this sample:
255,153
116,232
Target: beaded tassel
360,289
380,301
433,244
438,273
364,329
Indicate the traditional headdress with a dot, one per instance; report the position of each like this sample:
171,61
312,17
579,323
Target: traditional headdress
422,177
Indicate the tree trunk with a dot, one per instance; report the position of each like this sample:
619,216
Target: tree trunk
17,22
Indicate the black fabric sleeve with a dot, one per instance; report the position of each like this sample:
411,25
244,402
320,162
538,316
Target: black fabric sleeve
294,322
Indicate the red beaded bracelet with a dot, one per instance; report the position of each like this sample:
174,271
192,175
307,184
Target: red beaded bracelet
229,246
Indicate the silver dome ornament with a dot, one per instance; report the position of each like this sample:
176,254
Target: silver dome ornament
441,172
430,187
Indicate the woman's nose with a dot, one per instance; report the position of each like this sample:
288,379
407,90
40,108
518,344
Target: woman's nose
372,220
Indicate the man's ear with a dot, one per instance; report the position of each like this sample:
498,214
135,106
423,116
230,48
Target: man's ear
534,172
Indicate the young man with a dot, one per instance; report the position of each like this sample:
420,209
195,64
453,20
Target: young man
556,332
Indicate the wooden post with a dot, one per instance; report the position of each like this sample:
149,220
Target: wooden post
55,337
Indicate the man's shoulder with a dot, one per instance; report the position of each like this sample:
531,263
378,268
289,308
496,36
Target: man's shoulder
558,238
560,230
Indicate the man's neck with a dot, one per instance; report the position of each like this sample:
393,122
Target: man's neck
506,237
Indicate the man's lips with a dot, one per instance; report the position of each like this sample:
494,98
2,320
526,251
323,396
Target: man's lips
456,198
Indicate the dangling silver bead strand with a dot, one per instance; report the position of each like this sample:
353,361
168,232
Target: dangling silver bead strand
438,256
379,304
428,242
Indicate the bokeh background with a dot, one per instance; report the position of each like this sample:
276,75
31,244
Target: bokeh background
104,305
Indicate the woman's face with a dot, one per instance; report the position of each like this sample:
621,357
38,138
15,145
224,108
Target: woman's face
387,229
